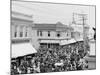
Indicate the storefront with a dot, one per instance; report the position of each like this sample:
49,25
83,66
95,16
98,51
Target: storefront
49,43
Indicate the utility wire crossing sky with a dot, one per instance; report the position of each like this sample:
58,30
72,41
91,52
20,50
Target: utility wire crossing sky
53,13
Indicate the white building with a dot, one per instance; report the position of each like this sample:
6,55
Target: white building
23,30
51,34
21,34
21,25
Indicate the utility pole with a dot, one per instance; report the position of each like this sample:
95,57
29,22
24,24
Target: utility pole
83,19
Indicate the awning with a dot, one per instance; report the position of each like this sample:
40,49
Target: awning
79,39
22,49
49,41
65,42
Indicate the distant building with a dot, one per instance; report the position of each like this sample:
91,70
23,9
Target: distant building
24,30
78,30
51,34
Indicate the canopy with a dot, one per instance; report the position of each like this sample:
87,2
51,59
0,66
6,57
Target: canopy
22,49
79,39
64,42
49,41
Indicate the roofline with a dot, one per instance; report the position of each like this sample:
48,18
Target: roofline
62,3
14,12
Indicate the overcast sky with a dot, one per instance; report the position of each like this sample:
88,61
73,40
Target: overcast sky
52,13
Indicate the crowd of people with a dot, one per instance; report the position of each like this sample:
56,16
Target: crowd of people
55,59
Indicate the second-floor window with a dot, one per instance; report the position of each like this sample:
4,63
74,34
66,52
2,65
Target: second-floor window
48,33
26,33
21,31
21,34
39,33
72,34
15,34
58,34
67,34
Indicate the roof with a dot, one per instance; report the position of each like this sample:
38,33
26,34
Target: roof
56,26
14,12
21,16
45,26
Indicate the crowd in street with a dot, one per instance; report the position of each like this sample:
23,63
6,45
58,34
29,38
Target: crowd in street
55,59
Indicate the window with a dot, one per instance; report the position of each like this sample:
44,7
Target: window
15,33
21,31
26,32
72,34
40,33
37,33
58,34
49,33
67,34
21,34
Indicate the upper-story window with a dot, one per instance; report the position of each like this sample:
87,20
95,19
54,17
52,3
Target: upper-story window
26,32
72,34
15,33
48,33
21,34
58,34
67,34
21,31
39,33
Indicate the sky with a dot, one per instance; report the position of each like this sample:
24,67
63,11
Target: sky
53,13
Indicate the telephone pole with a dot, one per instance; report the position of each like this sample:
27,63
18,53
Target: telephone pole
83,19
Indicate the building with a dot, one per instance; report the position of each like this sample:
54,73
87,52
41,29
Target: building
51,34
21,26
21,34
78,30
24,30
